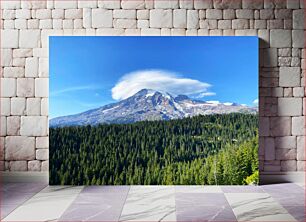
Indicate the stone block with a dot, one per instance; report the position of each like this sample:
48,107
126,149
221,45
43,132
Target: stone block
264,39
229,14
289,106
87,18
160,18
269,148
283,13
285,154
13,125
270,57
203,4
6,57
102,18
288,165
192,19
8,14
298,92
33,106
214,14
280,38
73,13
3,131
280,126
42,154
227,4
8,87
143,14
133,4
34,165
224,24
58,13
179,18
109,4
5,106
34,126
42,142
13,72
298,38
150,32
252,4
298,19
124,14
240,24
289,76
301,166
245,14
87,4
301,148
142,24
264,126
65,4
45,165
9,38
43,67
298,126
41,87
165,4
18,106
23,14
186,4
285,142
18,166
29,38
44,107
293,4
43,13
22,53
19,148
31,67
125,23
10,5
25,87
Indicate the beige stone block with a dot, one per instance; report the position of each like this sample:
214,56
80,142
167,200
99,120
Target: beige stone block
25,87
8,87
29,38
142,24
109,4
178,32
280,38
8,24
46,24
252,4
43,67
44,107
186,4
285,154
87,4
3,130
301,148
214,14
65,4
224,24
34,165
87,18
10,4
31,67
240,24
270,57
6,57
143,14
280,126
42,142
301,166
125,23
298,92
58,13
285,142
160,18
41,87
229,14
33,106
19,62
150,32
179,18
43,13
293,4
289,76
9,38
245,14
125,14
165,4
298,19
18,166
191,32
22,53
58,23
290,106
45,165
13,72
33,23
20,24
132,32
110,32
203,4
298,38
13,125
264,126
8,14
42,154
34,126
288,165
269,148
2,148
225,4
68,24
298,126
19,148
192,19
33,4
245,32
102,18
264,38
73,13
18,106
5,106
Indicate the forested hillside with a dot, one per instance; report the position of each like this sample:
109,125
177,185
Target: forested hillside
211,149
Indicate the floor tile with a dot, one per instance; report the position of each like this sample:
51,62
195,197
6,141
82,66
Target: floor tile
291,199
47,205
149,203
203,207
257,207
242,189
198,189
298,212
283,188
22,187
97,203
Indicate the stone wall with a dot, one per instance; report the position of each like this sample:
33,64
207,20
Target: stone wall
26,26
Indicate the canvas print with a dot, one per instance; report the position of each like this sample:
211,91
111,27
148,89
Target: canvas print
153,110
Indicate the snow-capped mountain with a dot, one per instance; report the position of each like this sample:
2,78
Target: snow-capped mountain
149,105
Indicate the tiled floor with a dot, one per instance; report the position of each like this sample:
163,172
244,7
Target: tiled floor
39,202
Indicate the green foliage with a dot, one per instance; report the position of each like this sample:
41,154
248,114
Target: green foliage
253,179
212,149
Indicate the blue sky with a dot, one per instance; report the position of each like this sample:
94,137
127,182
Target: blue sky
89,72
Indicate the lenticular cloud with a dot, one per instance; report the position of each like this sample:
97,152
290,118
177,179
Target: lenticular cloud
158,80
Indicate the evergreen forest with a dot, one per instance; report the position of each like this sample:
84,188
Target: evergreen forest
213,149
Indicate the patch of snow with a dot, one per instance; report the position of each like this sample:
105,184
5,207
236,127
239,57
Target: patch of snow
107,110
228,104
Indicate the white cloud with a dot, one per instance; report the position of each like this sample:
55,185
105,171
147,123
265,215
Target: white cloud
73,89
159,80
213,102
204,94
255,102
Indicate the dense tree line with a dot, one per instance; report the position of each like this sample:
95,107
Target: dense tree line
211,149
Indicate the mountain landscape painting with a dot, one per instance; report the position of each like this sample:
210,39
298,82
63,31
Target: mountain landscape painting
153,110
